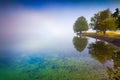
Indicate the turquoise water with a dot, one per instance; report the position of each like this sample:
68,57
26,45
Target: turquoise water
71,58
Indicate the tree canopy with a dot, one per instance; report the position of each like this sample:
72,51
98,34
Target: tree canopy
103,21
80,25
116,14
108,24
95,22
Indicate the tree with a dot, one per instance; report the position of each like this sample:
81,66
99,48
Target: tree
80,43
103,21
80,25
108,24
95,20
116,14
105,14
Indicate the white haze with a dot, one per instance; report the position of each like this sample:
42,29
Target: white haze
37,28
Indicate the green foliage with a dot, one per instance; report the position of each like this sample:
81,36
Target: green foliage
105,14
108,24
103,21
95,21
80,25
116,14
80,43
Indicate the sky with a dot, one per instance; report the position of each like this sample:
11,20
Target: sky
46,18
58,13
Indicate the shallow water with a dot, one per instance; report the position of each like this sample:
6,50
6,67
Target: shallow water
71,58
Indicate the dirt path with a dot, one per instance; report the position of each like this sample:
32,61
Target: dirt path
115,41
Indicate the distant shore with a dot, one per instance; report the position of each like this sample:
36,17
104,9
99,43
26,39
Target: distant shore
113,40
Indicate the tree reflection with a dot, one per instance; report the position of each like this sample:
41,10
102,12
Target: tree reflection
104,52
101,51
80,43
114,73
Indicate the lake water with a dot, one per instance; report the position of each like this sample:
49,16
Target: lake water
70,58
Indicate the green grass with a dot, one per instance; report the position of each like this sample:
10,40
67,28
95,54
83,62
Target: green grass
108,34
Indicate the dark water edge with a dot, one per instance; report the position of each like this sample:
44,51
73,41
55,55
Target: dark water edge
84,59
112,40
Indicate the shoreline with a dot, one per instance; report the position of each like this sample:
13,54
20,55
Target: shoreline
113,40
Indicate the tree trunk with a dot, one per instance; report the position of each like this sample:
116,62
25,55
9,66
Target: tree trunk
96,32
104,32
80,33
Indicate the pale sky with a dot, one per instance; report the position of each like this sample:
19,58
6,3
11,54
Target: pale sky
54,15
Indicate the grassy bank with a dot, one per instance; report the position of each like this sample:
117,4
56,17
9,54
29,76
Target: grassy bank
108,34
111,37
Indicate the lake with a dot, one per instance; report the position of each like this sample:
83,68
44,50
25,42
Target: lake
63,58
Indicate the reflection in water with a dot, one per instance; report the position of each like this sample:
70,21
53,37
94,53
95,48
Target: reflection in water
60,62
108,55
80,43
101,51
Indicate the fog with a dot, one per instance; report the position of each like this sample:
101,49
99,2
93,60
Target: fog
27,29
32,28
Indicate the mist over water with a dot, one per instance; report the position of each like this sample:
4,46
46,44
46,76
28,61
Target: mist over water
33,29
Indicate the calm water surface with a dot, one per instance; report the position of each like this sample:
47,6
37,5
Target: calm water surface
70,58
